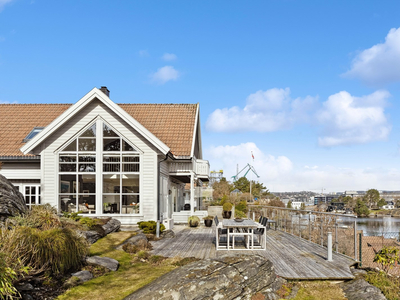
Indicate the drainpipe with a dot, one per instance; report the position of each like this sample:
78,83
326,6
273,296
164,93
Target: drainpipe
158,188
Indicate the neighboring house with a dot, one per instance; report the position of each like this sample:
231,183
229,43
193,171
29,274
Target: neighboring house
388,205
129,161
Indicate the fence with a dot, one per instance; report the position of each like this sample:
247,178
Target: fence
314,227
370,245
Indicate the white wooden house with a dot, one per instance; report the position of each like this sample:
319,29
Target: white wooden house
129,161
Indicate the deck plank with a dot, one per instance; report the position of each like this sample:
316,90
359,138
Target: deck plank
293,258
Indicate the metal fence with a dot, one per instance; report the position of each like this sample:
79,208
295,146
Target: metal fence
370,245
314,227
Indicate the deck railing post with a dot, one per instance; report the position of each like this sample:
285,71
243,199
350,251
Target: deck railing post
329,246
299,225
254,216
360,244
355,238
321,229
336,238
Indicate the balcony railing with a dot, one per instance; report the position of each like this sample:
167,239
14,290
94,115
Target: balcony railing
202,168
199,166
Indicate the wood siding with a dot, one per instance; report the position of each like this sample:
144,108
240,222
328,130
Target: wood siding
21,170
49,149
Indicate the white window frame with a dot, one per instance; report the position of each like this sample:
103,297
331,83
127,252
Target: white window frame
99,153
38,193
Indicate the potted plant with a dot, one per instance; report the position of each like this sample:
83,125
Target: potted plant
193,221
240,215
227,210
208,221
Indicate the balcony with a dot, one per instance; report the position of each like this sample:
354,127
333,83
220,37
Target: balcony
202,168
199,166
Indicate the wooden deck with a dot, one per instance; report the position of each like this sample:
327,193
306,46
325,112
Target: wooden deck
293,258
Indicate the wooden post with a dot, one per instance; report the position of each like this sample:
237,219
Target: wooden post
321,228
300,225
336,237
309,226
355,239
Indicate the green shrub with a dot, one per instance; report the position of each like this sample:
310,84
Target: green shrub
224,199
389,285
130,248
208,218
240,215
242,206
89,222
7,278
227,206
74,215
193,221
142,254
150,227
156,259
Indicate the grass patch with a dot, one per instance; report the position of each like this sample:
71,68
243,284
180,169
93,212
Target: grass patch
390,286
317,290
129,277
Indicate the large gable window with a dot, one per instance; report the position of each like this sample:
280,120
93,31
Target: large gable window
99,172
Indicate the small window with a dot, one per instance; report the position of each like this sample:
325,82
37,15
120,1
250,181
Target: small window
32,134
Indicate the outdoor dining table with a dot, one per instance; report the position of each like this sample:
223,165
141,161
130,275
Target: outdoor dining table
244,228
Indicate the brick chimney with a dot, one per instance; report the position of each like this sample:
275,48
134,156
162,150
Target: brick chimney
105,90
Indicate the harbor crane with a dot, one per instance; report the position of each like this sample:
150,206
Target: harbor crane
249,168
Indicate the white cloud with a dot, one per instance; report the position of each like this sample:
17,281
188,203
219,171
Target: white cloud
346,119
379,64
279,173
265,111
3,3
7,102
143,53
169,56
165,74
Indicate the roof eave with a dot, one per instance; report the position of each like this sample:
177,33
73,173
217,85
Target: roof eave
65,116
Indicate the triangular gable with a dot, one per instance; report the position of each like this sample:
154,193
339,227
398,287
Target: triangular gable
78,106
196,142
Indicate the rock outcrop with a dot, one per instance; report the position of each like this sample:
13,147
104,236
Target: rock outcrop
226,277
11,200
111,226
105,262
359,289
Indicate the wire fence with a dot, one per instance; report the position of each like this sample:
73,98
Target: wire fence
346,238
370,245
314,226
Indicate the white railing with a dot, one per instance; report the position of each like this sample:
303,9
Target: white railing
202,167
199,166
178,167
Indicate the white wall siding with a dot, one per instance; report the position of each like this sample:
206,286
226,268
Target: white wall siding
95,109
21,170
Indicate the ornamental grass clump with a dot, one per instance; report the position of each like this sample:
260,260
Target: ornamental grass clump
55,250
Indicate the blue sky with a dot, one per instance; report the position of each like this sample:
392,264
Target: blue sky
311,87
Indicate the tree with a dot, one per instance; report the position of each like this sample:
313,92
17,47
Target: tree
361,209
276,202
381,202
221,188
303,206
242,184
371,197
289,205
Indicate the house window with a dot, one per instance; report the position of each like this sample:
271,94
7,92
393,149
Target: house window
32,134
32,195
99,155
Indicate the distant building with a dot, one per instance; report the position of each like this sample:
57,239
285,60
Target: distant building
324,199
388,205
